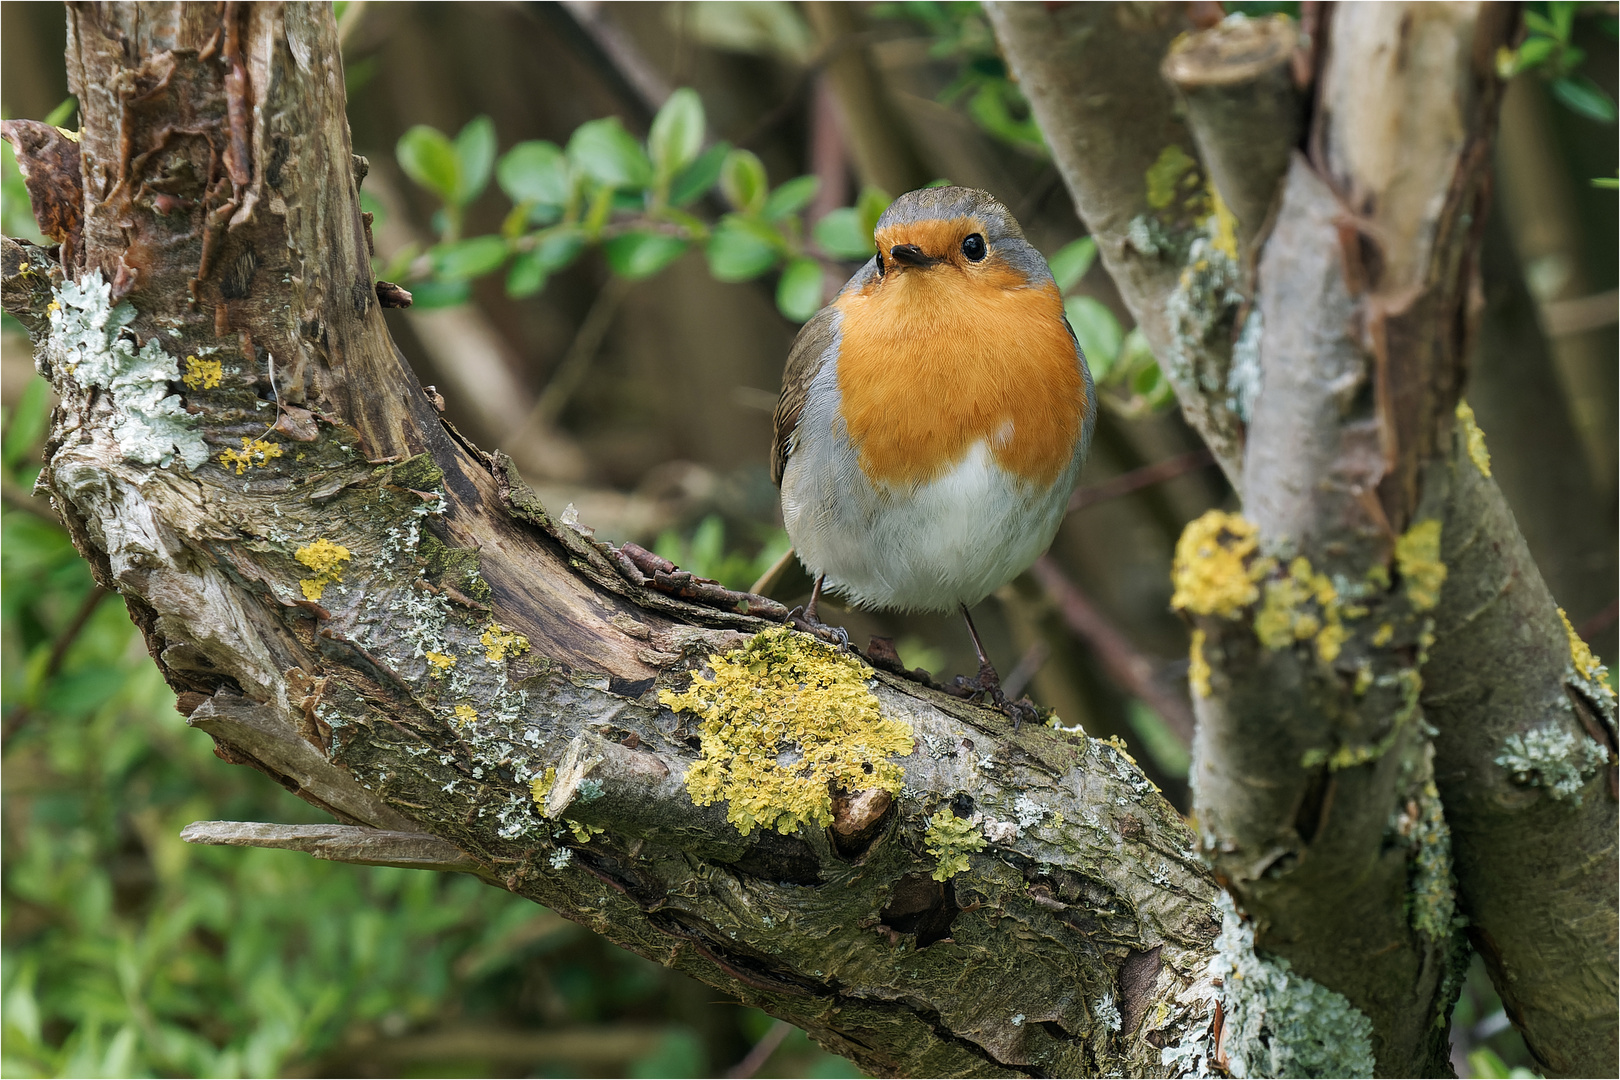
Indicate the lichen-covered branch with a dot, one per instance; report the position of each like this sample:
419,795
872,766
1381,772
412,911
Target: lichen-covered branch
349,597
1361,603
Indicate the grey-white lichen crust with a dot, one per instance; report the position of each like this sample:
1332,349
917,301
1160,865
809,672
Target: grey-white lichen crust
1554,758
1277,1022
90,342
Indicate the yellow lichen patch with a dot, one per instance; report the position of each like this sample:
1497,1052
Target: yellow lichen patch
254,453
1386,631
540,786
1167,174
1209,572
326,559
950,840
1587,665
439,663
202,374
465,714
1286,615
499,643
1417,556
583,832
1222,225
784,717
1197,666
1475,437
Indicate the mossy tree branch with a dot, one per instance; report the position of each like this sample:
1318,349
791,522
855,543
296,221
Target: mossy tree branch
349,597
1376,584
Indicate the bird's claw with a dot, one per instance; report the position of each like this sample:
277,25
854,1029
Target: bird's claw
986,686
800,619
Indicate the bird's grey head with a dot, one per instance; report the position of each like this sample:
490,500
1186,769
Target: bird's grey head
965,227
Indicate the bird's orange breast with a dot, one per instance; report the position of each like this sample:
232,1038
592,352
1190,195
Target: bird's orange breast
931,363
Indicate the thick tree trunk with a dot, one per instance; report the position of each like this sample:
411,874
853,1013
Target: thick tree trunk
350,597
1381,676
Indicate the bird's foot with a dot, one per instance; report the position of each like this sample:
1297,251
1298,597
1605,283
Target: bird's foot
986,687
803,618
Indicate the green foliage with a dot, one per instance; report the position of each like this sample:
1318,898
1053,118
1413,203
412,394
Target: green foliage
607,189
959,32
1124,367
1547,50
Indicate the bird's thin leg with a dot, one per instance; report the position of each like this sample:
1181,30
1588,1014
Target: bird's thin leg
815,598
989,680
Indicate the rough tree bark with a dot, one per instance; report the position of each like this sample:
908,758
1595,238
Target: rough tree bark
1386,693
350,597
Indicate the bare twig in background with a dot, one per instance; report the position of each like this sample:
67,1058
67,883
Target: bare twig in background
1137,479
762,1051
576,362
1130,669
64,641
350,22
647,81
1024,672
1600,622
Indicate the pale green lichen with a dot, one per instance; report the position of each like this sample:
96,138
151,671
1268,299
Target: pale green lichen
950,840
1172,174
326,559
1553,758
785,718
1277,1022
91,341
1211,572
1474,438
1417,557
1431,895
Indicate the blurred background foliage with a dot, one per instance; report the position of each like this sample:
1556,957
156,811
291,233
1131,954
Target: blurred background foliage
613,219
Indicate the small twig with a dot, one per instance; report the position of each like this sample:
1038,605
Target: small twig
346,27
1029,665
1600,622
64,641
1126,665
577,361
762,1051
338,843
1137,479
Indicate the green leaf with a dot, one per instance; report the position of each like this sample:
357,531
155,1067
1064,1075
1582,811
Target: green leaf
558,246
610,155
791,197
60,115
475,153
637,255
438,294
464,259
26,425
535,172
1608,183
1070,263
871,204
428,158
1540,24
798,294
698,177
1096,329
1584,96
526,277
677,132
742,181
841,235
739,249
1533,52
1563,15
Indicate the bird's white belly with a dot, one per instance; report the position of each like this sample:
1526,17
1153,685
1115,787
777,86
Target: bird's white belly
930,547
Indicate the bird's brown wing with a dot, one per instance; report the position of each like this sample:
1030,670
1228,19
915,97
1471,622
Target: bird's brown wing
803,363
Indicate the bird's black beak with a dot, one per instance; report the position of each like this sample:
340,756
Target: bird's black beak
911,255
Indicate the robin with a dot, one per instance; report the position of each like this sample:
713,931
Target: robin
934,416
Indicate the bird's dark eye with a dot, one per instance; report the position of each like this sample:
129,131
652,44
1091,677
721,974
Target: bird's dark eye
880,264
973,247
